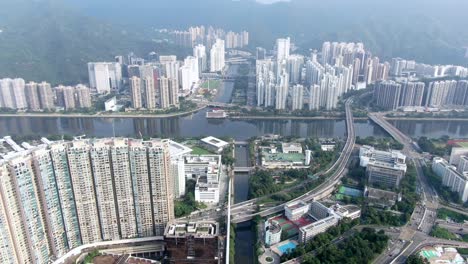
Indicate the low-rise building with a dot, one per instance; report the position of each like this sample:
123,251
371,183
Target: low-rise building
272,159
381,198
111,105
202,229
207,191
214,144
349,211
385,174
296,210
307,232
291,148
369,154
272,232
202,165
327,145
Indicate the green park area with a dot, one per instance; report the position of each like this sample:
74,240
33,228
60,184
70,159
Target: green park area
200,151
211,84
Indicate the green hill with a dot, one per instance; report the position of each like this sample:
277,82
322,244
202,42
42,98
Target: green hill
45,40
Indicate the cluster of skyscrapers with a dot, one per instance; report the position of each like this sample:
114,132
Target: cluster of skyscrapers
390,95
208,37
56,196
19,95
402,67
290,81
158,84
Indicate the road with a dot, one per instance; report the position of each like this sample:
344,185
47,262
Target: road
415,232
247,210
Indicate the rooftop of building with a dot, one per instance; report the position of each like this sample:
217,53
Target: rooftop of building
379,194
214,142
386,165
203,159
201,229
176,149
296,205
273,226
327,220
291,145
283,157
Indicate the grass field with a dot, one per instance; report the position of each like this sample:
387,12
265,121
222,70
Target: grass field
200,151
463,144
212,84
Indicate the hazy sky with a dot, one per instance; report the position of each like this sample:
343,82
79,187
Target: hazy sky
271,1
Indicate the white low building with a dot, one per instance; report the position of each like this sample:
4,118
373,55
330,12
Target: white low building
291,148
272,232
207,192
296,210
202,165
368,154
214,144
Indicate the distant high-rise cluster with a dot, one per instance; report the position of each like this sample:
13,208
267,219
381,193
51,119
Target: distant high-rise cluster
402,67
19,95
70,97
291,81
391,95
16,94
150,89
56,196
208,36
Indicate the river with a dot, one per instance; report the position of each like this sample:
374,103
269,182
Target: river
245,238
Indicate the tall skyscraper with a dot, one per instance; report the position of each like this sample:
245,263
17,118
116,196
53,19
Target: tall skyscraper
83,96
283,47
105,76
387,94
148,86
17,86
412,94
297,96
46,96
122,181
199,52
83,184
261,53
7,96
164,88
217,56
294,67
135,92
170,66
282,92
32,96
102,175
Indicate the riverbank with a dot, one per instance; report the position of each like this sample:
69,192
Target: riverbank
103,115
293,117
427,118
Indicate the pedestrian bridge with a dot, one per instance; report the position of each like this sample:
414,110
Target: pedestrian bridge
243,169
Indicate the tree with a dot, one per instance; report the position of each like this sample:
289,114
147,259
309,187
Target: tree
416,259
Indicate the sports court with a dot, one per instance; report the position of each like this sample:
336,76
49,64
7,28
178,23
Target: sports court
292,227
